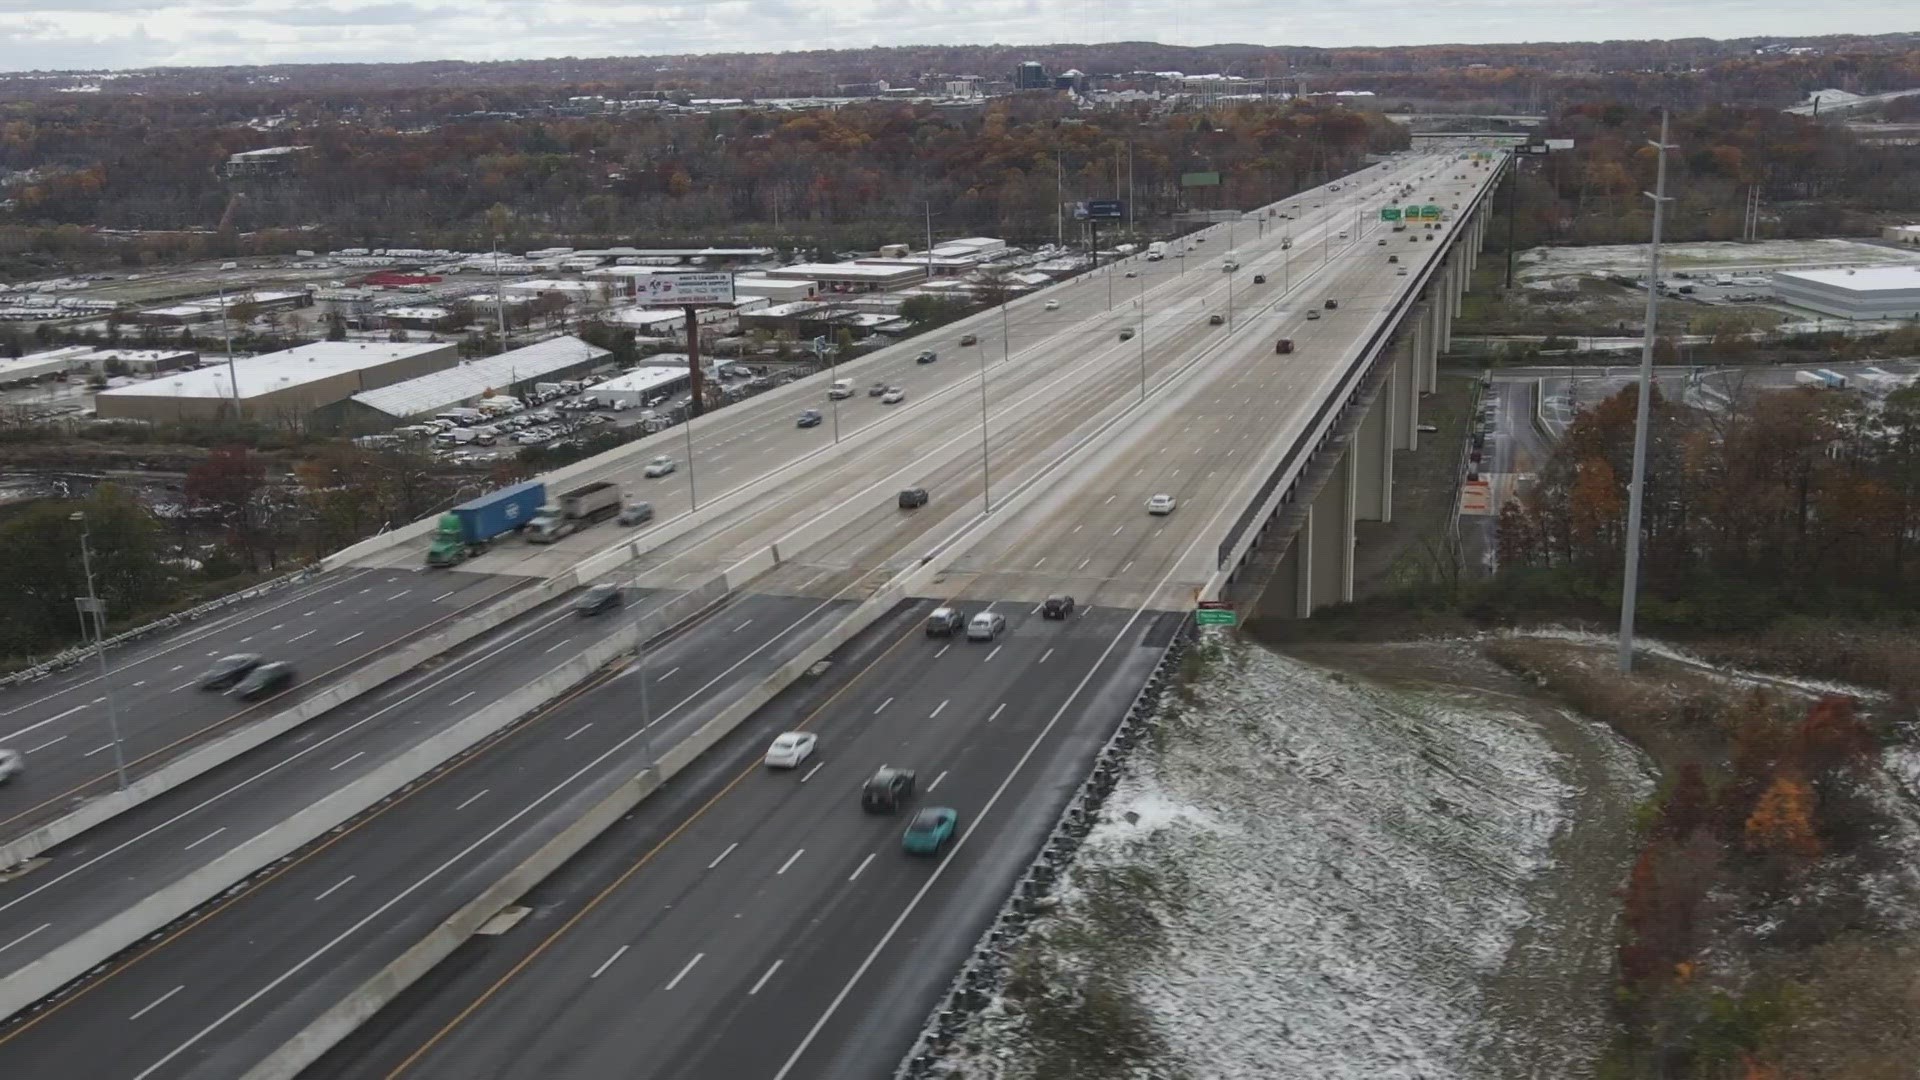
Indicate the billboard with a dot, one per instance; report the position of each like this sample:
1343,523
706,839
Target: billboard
1200,179
1100,210
687,288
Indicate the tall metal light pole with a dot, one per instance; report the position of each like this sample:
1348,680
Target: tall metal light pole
640,669
1143,339
986,492
90,604
226,333
1636,494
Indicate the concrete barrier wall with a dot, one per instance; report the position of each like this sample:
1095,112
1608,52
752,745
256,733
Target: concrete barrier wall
357,1007
105,807
156,911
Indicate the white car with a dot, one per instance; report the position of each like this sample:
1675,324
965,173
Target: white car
893,396
1053,305
790,749
12,764
661,466
1161,504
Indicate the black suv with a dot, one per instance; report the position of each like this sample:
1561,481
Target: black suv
1332,304
265,679
888,789
927,356
1259,279
1057,607
228,670
602,597
911,498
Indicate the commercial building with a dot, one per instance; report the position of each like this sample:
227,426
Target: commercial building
852,277
271,161
209,308
573,291
1907,235
773,290
283,387
1874,292
643,384
512,372
53,362
1031,75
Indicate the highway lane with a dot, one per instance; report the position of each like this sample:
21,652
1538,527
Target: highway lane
1203,335
263,961
747,911
326,628
1097,369
74,886
1093,537
748,440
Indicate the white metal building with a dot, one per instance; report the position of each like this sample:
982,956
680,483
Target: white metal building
282,386
642,384
1868,292
386,407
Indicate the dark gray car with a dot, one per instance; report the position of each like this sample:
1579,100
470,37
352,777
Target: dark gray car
602,597
228,670
265,679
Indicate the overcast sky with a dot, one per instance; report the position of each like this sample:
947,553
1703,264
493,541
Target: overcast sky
71,34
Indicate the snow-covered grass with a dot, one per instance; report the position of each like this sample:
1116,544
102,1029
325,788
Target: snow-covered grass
1302,876
1631,259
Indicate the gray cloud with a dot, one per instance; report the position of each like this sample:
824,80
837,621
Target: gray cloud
87,34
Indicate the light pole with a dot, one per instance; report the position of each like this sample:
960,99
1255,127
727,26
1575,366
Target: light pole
1637,492
640,669
90,604
1143,339
693,493
986,493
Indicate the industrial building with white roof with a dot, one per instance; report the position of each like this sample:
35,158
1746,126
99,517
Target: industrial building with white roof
511,372
1871,292
282,386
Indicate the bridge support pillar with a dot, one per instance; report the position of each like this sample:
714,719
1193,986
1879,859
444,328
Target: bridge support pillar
1330,553
1373,451
1404,386
1291,587
1428,335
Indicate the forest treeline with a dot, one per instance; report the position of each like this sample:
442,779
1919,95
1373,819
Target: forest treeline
1686,71
855,176
1796,501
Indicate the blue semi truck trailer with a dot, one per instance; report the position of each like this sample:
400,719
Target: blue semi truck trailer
467,529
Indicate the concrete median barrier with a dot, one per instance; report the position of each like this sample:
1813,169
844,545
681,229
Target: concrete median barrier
159,909
345,1016
105,807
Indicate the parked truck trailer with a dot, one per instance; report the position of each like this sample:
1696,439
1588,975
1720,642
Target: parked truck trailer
470,528
575,510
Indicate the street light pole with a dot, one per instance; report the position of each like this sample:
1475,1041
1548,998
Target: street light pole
986,492
693,493
98,611
1636,494
1143,339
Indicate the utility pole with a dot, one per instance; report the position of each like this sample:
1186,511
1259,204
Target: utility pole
1059,200
226,332
1636,494
929,241
499,295
1130,191
92,604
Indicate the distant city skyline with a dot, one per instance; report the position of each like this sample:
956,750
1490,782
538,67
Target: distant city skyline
95,34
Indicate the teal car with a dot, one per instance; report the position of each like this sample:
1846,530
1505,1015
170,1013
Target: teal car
931,831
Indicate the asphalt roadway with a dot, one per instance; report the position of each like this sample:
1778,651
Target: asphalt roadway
327,626
755,923
223,988
257,1006
108,869
746,441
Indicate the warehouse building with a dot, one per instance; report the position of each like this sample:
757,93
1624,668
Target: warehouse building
511,373
283,387
1905,235
636,388
1875,292
851,277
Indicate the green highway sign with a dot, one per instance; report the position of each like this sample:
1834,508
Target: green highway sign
1430,212
1389,213
1213,617
1200,179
